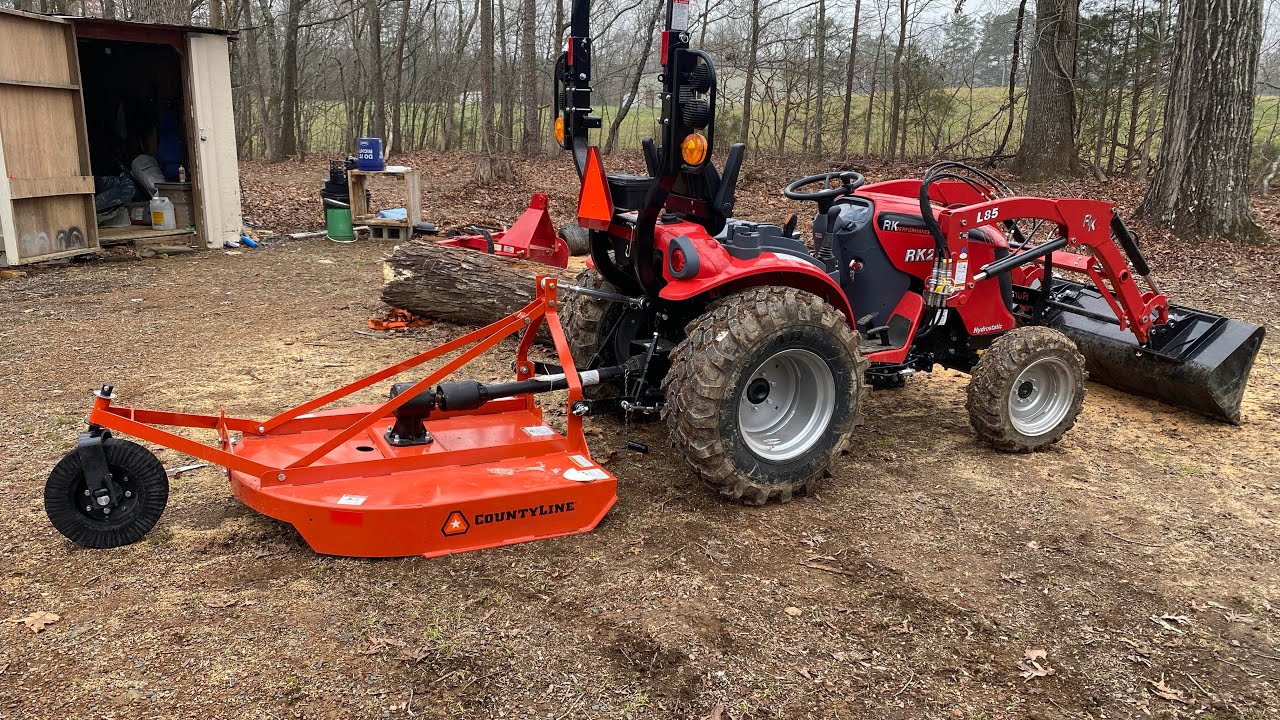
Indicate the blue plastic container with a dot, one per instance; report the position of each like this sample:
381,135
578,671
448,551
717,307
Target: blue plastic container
369,155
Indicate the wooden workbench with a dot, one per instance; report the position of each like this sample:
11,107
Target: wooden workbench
383,228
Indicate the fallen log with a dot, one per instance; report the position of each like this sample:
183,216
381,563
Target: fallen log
458,285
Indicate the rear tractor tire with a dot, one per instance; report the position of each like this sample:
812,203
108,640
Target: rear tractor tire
1027,390
763,393
140,481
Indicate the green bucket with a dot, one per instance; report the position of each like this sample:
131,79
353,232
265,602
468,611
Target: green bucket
337,222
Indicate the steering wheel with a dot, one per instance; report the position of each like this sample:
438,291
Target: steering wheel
849,181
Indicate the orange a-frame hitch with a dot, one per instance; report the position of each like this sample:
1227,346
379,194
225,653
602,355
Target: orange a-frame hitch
491,476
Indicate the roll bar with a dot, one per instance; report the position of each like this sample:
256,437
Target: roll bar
697,191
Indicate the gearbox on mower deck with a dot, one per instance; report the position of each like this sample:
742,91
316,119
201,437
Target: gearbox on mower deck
440,467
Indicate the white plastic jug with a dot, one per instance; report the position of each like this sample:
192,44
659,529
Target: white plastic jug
162,215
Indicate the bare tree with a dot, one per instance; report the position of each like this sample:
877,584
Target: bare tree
1013,79
896,103
753,56
819,76
1048,147
489,167
848,77
529,75
632,88
377,80
1200,187
1157,87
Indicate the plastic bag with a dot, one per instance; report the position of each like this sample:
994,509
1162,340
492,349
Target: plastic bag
113,191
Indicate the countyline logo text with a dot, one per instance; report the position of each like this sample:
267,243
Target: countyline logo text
522,513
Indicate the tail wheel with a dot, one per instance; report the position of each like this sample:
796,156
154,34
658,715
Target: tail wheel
599,331
140,489
1027,390
763,393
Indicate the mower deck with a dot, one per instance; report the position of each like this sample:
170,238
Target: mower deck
436,469
444,503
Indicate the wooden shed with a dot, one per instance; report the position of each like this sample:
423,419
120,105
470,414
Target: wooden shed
81,98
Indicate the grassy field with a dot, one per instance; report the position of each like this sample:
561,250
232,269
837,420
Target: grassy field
774,127
960,122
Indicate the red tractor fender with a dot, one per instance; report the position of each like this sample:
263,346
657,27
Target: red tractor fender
702,267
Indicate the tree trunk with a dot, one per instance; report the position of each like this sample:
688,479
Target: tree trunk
1104,104
459,285
1157,88
871,97
820,49
557,46
632,87
489,167
1013,79
289,82
1048,146
1119,106
529,132
1201,185
271,129
377,79
896,102
505,83
753,52
1135,95
397,102
848,78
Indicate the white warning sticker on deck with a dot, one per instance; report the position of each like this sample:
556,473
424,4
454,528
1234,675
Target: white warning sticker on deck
352,499
538,431
585,475
581,461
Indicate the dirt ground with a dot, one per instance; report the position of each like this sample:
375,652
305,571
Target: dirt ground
1135,563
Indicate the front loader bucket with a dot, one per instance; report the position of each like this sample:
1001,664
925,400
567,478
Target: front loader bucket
1199,361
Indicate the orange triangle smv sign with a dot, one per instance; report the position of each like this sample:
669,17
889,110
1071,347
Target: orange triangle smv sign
595,202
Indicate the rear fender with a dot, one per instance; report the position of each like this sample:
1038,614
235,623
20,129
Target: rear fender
710,271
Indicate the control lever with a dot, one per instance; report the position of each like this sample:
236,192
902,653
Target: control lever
824,251
789,229
833,214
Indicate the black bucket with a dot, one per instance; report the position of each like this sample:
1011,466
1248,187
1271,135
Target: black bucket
336,193
1198,360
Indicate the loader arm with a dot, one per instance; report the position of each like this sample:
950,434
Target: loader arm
1132,339
1087,234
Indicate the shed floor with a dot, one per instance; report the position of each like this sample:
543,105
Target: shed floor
131,233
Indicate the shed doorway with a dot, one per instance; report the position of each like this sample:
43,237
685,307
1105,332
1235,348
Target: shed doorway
137,124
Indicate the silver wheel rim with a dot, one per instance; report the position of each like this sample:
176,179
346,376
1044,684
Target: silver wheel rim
1041,396
786,405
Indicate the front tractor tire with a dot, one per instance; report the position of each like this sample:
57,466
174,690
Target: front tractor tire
1027,390
763,393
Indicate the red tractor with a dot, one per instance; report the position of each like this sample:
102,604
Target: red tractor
755,341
